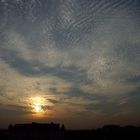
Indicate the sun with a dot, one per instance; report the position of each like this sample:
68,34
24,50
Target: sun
37,108
37,104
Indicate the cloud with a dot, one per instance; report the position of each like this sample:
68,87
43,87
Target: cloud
105,60
110,88
16,89
17,43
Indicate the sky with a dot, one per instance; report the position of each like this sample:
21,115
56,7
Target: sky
75,62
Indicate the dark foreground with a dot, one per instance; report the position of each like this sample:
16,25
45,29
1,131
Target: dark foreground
36,131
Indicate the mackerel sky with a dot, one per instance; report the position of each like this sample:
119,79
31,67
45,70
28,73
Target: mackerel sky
81,57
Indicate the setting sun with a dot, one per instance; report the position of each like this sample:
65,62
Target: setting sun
37,108
38,104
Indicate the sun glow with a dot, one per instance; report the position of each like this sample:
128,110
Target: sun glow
37,108
38,104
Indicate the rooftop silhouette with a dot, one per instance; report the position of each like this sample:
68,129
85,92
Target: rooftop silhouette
55,131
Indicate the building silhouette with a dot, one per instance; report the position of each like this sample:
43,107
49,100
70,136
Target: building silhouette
36,131
53,131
